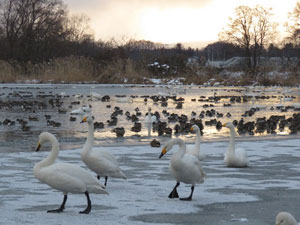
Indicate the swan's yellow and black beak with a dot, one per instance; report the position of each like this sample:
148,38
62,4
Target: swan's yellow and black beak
191,129
164,151
224,124
84,120
38,147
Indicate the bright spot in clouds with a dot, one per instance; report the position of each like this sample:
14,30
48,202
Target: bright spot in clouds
168,21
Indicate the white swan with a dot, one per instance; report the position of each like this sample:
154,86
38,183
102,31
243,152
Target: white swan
82,110
234,157
95,96
149,120
65,177
285,218
102,162
256,105
183,167
195,149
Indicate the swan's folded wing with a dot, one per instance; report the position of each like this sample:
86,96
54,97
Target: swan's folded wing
105,163
109,156
57,178
241,155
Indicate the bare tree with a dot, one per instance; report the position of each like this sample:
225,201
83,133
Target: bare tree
251,29
238,30
30,24
264,31
78,28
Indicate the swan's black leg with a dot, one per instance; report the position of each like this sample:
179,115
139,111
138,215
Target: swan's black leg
174,193
105,181
89,206
190,197
61,208
98,177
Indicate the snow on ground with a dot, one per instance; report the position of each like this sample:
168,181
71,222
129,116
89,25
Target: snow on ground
24,200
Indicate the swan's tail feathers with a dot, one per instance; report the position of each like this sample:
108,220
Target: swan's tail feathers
203,174
122,175
99,189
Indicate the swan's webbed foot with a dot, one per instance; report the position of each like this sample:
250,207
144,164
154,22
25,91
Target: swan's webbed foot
86,211
186,199
61,208
190,197
55,210
174,193
89,206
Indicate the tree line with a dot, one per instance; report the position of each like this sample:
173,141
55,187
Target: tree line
37,31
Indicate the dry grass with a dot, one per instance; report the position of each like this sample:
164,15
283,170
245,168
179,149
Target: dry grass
120,71
69,69
76,69
7,72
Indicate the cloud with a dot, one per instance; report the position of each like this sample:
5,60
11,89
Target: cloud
115,18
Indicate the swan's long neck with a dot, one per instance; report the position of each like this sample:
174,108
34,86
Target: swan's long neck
182,149
232,140
197,141
49,160
90,139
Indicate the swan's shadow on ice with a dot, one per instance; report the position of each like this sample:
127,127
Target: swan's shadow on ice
44,208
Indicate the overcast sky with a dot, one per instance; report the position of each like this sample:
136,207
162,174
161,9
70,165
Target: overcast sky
167,21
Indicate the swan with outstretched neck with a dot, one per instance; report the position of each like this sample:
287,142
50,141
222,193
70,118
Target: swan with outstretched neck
183,167
102,162
195,149
65,177
234,157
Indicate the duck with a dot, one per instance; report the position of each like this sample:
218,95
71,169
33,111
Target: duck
102,162
149,120
65,177
285,218
195,149
183,167
234,157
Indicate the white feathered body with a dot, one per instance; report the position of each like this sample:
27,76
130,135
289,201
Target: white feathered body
285,218
186,169
64,177
102,163
235,157
67,178
238,158
150,119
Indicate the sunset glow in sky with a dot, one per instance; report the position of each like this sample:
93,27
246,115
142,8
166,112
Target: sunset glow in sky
167,21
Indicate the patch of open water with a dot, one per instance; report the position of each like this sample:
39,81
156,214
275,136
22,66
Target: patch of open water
32,103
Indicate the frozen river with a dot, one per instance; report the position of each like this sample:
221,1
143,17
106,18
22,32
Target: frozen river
252,195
